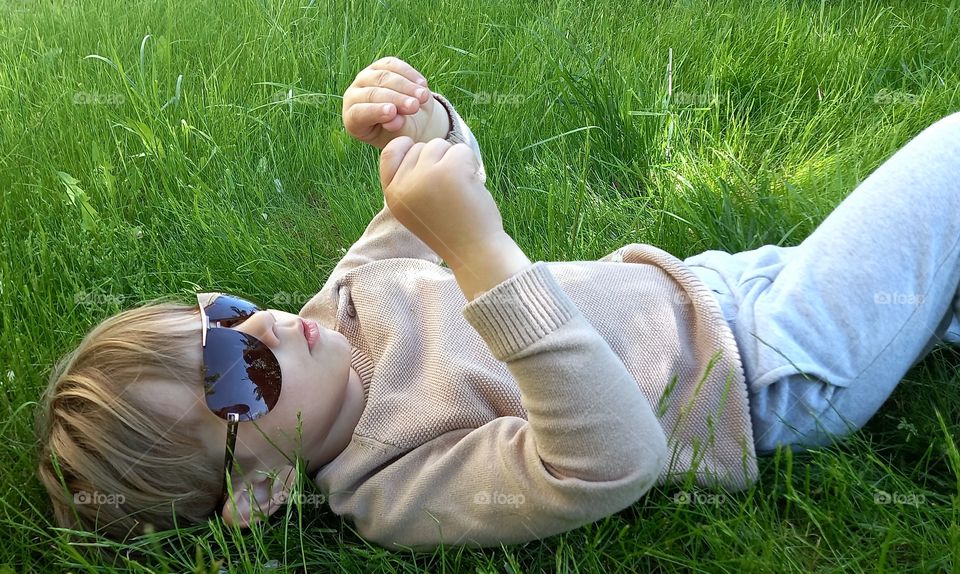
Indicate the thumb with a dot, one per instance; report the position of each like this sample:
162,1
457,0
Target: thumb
391,157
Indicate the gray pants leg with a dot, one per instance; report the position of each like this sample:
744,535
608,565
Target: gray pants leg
827,328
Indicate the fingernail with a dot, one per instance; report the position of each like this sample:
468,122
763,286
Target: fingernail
422,81
420,93
410,101
386,108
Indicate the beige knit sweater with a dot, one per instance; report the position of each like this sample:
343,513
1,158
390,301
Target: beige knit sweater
556,398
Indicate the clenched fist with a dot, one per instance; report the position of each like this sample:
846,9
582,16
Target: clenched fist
389,99
435,191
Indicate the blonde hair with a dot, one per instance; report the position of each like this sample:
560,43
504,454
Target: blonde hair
123,466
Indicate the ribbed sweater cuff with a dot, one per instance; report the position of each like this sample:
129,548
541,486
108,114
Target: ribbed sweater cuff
520,311
460,132
456,133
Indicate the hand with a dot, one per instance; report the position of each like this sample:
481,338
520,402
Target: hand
435,191
389,99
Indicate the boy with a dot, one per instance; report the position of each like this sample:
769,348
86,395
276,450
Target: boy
497,401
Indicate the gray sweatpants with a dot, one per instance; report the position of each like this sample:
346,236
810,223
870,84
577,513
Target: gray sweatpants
826,329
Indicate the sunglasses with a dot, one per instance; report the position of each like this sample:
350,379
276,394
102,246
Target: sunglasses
241,375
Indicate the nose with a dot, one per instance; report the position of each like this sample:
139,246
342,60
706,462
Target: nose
262,326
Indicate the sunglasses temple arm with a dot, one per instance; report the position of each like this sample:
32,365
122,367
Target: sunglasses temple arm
232,421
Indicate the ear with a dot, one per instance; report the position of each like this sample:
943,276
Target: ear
259,498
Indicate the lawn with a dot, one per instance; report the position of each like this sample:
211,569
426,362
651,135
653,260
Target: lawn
152,148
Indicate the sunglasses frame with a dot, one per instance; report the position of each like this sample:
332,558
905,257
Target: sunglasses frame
204,300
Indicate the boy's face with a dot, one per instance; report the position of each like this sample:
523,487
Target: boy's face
314,383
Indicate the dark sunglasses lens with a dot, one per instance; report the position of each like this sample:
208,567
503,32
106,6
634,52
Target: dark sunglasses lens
229,310
241,375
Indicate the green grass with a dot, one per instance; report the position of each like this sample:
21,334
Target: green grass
119,187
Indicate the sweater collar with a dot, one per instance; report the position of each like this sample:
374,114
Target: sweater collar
363,365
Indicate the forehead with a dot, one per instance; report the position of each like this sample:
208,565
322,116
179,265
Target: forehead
177,392
180,401
180,405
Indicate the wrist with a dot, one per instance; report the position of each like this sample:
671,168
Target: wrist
481,267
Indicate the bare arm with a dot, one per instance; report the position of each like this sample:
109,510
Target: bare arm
479,268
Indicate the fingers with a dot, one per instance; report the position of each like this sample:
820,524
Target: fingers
371,77
392,157
389,80
395,124
400,67
409,161
369,106
433,151
461,153
360,116
382,94
357,95
401,155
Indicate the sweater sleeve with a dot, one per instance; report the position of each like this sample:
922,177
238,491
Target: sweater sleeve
385,237
590,446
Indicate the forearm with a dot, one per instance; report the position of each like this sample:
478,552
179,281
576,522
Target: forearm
485,266
441,124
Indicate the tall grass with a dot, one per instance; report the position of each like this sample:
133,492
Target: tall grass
162,147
